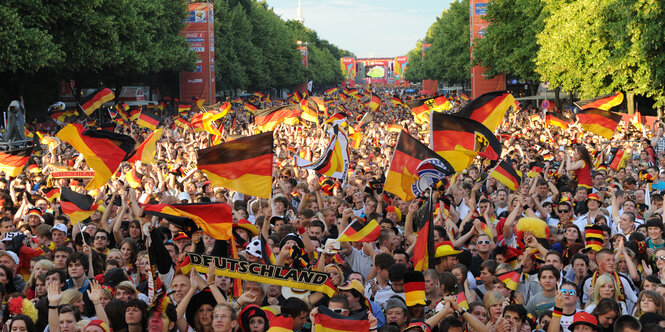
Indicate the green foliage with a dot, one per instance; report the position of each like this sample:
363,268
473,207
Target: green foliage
509,45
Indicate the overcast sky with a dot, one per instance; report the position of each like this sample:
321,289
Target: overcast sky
377,28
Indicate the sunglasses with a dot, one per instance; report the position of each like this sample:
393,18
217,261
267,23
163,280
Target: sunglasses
564,211
660,258
484,242
340,310
100,237
570,292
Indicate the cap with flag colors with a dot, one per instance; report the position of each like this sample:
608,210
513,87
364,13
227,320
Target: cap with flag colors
243,165
357,231
460,140
505,173
598,121
77,207
445,248
594,237
94,101
414,168
12,162
102,150
414,289
488,109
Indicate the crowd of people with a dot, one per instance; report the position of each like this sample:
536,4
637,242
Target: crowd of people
586,239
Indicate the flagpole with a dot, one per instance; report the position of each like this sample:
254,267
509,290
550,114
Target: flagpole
430,231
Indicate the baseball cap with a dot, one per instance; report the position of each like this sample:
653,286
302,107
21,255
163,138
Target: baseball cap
10,254
353,285
181,236
584,318
99,323
60,227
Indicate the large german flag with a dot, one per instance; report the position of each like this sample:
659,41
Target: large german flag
395,100
334,161
488,109
103,150
360,232
51,193
13,162
414,168
268,119
556,119
420,110
243,165
511,279
146,151
337,118
375,102
148,120
618,158
310,110
598,121
77,207
603,102
215,219
506,174
327,320
94,101
460,140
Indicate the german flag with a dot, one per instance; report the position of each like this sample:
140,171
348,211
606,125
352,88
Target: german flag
102,150
359,232
343,96
268,119
604,102
394,128
51,193
511,279
375,102
59,116
133,179
183,123
161,106
420,110
148,120
331,91
506,174
353,92
94,101
184,108
598,121
364,121
309,110
488,109
556,119
334,161
281,323
414,168
296,97
237,100
266,253
13,162
259,95
618,158
251,108
197,122
77,207
395,100
215,219
146,151
121,109
338,117
423,250
243,165
208,121
464,97
460,140
199,102
134,114
327,320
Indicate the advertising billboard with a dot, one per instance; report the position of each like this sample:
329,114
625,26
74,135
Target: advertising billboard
348,68
199,32
399,67
479,82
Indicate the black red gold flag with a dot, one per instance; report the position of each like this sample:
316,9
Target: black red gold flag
148,120
268,119
506,174
215,219
77,207
460,140
243,165
414,168
358,231
556,119
603,102
375,102
327,320
94,101
334,160
598,121
13,162
102,150
51,193
310,110
511,279
488,109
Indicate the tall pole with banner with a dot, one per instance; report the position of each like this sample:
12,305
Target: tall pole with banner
199,31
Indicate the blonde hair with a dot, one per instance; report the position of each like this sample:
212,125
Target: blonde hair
227,306
493,298
600,282
70,296
122,259
45,263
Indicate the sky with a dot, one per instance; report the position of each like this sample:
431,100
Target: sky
368,28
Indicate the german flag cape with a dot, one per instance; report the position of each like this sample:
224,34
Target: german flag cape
262,273
243,165
102,150
215,219
556,119
94,101
603,102
488,109
327,320
268,119
359,232
506,174
334,161
13,162
414,168
147,150
598,121
77,206
460,140
511,279
148,120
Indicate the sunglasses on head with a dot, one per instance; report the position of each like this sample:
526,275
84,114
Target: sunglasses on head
570,292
